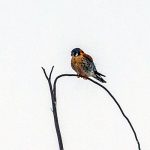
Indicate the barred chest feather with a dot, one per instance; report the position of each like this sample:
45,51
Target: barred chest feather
82,64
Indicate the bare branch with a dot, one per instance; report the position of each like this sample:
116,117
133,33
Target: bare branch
54,109
136,138
54,99
121,110
55,81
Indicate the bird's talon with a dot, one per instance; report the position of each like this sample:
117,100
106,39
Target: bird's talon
78,75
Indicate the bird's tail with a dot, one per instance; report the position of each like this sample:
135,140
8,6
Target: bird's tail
98,77
99,74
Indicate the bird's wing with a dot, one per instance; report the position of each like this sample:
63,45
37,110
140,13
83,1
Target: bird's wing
88,57
90,60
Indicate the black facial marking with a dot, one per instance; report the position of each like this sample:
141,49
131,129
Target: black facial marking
75,52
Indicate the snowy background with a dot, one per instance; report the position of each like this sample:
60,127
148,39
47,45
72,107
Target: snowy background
35,33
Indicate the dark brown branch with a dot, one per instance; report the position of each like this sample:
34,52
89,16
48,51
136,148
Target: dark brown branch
121,110
54,110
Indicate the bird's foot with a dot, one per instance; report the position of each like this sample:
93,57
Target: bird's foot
78,76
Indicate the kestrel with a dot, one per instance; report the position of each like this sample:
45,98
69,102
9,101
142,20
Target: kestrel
84,66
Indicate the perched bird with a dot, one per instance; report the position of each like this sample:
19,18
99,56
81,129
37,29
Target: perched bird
84,66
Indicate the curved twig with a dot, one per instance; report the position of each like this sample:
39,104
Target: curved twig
121,110
55,81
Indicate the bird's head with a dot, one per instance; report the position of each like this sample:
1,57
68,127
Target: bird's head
76,52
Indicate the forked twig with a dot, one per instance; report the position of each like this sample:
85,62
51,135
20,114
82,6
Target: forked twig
54,109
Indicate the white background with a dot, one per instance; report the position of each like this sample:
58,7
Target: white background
35,33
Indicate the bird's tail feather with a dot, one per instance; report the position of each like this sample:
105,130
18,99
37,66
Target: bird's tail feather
98,77
99,74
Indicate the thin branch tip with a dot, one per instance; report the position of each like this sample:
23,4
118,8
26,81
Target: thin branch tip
45,73
51,72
